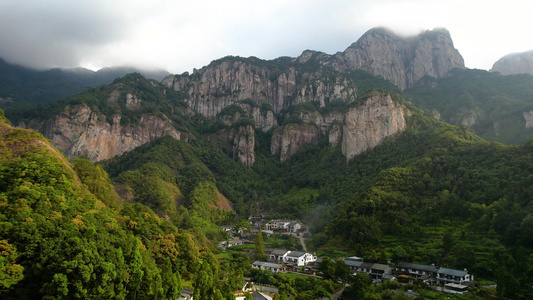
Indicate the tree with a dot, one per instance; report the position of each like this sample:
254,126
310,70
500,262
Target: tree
342,271
10,273
259,246
328,268
359,287
204,283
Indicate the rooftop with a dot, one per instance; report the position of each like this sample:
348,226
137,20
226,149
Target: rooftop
452,272
279,251
429,268
296,254
380,267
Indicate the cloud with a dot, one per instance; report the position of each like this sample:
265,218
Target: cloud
44,33
181,35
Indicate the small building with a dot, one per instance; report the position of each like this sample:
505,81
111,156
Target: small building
272,267
446,276
376,271
278,255
416,271
380,272
258,217
277,225
299,258
294,226
453,288
228,228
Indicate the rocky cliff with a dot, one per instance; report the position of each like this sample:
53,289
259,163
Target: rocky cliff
404,61
241,95
515,63
277,85
238,142
286,140
79,131
316,76
369,123
363,126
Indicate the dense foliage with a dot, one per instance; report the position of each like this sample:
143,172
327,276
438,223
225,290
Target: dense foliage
435,193
65,233
492,105
20,85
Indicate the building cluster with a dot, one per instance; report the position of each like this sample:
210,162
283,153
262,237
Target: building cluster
281,260
283,225
240,236
454,281
433,275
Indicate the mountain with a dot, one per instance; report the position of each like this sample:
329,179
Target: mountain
362,161
403,61
262,90
20,85
514,63
494,106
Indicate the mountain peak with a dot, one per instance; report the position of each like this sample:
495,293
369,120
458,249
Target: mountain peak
515,63
402,60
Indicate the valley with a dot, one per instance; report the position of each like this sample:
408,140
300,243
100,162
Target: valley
390,151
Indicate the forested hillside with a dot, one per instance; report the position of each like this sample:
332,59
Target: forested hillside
21,85
244,136
65,233
494,106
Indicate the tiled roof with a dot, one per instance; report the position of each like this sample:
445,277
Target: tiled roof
452,272
279,251
406,265
296,254
380,267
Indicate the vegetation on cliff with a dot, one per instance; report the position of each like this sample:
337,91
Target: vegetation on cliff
435,193
65,233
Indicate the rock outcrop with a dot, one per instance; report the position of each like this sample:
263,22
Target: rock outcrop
316,76
238,142
515,63
78,131
369,123
528,116
286,140
260,92
403,61
234,79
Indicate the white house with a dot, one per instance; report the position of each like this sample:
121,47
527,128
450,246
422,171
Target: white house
299,258
445,276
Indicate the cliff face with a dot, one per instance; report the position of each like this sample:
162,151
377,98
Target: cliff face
361,128
238,142
516,63
286,140
367,125
262,91
528,116
288,81
78,131
221,84
403,61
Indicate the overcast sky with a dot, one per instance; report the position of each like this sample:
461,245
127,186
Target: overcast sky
180,35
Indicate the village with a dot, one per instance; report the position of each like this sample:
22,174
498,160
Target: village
301,262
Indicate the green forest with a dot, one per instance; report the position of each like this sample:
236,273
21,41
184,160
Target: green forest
146,224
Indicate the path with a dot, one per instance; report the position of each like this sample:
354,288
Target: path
302,241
